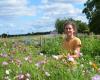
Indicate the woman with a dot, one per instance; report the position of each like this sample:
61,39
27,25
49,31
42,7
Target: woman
71,43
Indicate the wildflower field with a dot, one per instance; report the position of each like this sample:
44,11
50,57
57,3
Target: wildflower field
31,58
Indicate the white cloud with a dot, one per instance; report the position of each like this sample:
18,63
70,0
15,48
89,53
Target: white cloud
16,8
80,1
44,1
44,15
63,1
82,18
56,10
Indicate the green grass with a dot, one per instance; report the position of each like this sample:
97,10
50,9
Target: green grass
23,55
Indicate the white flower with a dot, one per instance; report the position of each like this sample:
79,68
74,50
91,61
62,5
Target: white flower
70,58
90,63
28,75
27,79
8,72
76,51
47,74
55,57
81,54
82,65
41,54
23,76
26,58
7,78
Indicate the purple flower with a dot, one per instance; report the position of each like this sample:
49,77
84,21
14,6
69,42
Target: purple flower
96,77
23,76
4,63
3,55
20,77
40,63
70,58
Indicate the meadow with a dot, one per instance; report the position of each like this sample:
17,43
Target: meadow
31,58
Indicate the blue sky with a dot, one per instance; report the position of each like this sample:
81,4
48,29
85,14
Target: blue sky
26,16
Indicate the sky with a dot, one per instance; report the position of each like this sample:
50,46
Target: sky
26,16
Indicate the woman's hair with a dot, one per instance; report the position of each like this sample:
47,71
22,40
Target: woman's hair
73,26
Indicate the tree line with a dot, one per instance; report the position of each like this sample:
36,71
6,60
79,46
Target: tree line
5,35
82,27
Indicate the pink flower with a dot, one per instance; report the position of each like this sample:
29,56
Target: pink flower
20,77
28,58
96,77
40,63
3,55
4,63
23,76
70,58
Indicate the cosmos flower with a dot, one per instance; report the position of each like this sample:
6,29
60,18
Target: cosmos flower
7,78
40,63
94,66
41,54
4,63
28,75
78,53
96,77
3,55
23,76
47,74
7,71
28,58
70,58
55,57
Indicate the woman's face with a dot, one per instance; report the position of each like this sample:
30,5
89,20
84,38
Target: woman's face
69,31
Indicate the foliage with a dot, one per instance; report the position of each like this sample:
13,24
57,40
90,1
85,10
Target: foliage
4,35
92,11
59,26
52,46
91,46
81,26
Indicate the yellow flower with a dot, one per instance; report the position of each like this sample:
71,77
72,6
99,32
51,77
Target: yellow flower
95,66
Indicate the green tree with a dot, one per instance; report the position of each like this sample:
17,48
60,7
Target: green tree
92,11
59,25
4,35
81,26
